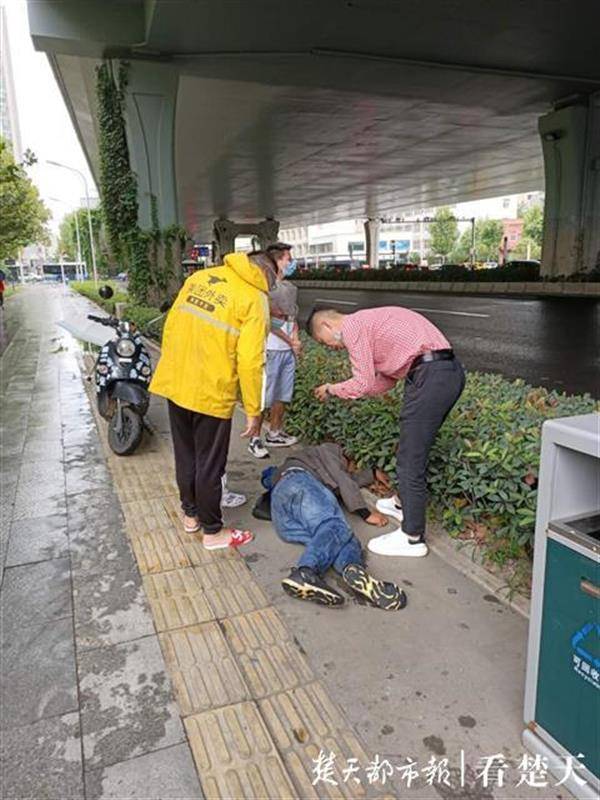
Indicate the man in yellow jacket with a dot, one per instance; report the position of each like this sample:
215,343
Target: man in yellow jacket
213,350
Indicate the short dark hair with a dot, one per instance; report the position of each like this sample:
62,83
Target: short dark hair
278,247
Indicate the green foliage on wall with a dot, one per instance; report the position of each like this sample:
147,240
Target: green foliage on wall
151,258
118,183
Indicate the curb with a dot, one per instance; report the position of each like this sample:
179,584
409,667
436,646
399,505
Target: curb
517,288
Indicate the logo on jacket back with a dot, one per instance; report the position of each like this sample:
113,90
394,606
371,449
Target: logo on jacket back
215,279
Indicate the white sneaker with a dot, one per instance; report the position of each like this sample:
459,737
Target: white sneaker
232,499
397,543
280,439
257,448
390,507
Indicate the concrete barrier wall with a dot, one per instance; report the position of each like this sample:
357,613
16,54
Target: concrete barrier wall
528,289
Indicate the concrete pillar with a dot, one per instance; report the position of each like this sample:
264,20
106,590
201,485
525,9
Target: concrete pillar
372,242
226,231
571,148
150,114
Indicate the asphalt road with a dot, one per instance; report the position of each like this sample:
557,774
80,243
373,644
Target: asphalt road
551,342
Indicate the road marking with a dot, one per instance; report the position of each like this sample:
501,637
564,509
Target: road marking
454,313
337,302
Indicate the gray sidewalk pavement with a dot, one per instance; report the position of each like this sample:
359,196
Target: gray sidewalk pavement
87,709
87,705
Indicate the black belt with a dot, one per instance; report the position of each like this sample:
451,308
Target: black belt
431,355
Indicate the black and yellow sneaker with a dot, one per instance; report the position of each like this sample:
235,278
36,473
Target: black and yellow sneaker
304,584
382,594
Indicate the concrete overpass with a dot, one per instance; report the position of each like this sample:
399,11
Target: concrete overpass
329,109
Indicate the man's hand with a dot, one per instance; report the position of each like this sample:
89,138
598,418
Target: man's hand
321,392
383,479
296,346
252,427
375,518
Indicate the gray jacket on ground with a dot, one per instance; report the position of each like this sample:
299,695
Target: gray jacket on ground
326,463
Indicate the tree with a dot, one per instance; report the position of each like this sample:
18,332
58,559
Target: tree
67,242
22,212
488,238
462,251
443,232
414,257
533,229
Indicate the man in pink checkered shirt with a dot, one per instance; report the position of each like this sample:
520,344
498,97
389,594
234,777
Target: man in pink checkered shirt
385,345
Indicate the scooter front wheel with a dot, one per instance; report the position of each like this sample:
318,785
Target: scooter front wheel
124,441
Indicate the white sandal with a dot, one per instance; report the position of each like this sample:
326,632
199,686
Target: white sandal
237,539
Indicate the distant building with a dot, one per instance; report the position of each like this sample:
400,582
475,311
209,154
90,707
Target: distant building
398,240
513,231
9,118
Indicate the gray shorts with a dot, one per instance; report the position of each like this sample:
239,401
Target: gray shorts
281,371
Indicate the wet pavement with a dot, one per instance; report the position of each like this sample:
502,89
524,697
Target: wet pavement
87,708
138,665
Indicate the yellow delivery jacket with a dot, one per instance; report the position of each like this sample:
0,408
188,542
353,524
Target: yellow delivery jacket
213,345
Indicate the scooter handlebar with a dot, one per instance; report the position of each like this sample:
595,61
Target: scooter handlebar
109,321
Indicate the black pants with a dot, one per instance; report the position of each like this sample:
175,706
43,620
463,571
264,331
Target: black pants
201,444
429,395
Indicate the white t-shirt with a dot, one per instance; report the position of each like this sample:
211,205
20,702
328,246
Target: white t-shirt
274,342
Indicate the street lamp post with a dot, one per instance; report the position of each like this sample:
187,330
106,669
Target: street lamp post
78,269
89,213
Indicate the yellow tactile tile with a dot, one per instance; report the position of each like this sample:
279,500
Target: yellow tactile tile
305,721
176,599
142,516
159,551
202,667
199,555
235,755
271,662
230,588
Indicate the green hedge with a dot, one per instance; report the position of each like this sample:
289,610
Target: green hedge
88,289
141,315
484,464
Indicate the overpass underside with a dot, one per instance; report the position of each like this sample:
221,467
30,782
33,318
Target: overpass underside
312,112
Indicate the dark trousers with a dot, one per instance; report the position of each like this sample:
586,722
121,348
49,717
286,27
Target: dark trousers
201,444
429,395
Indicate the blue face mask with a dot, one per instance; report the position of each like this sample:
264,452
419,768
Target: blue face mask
290,268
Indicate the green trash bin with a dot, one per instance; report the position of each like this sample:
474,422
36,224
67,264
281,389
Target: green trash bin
562,697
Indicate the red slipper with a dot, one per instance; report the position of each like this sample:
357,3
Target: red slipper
237,539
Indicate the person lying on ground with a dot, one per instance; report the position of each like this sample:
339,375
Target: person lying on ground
304,509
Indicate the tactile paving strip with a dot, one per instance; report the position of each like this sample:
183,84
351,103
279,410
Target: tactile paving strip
226,652
271,662
177,599
159,551
230,588
303,722
235,755
203,670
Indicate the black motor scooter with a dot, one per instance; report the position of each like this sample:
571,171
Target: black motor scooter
122,373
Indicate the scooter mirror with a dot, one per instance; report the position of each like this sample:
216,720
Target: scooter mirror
105,292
